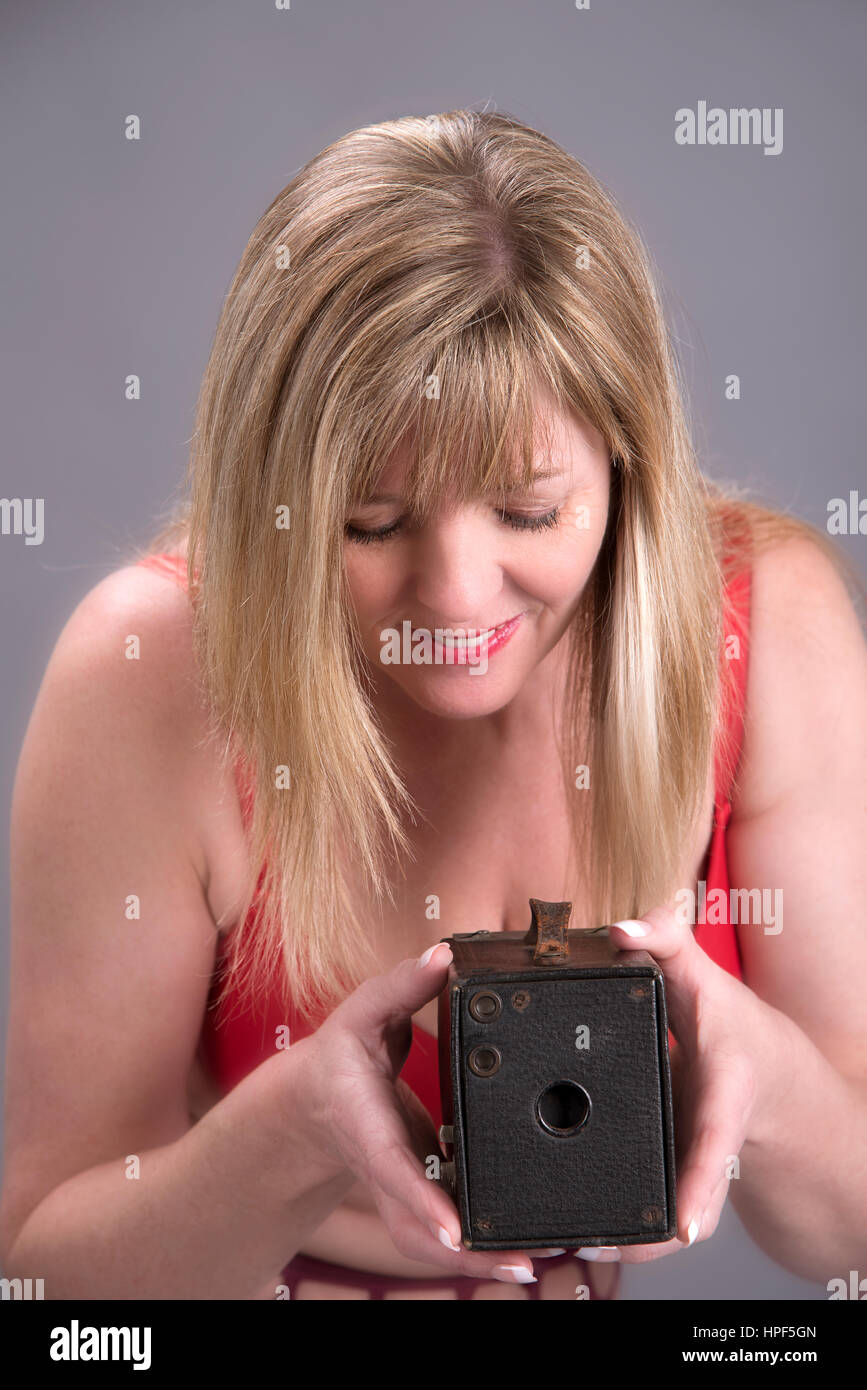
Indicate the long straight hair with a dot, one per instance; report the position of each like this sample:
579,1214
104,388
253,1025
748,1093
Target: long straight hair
412,287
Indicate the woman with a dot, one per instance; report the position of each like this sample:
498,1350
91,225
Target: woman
440,394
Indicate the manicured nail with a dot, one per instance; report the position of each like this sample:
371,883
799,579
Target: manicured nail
444,1237
597,1252
513,1274
692,1231
546,1254
632,928
423,960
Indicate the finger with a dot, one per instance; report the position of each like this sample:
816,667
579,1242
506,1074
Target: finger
427,1147
702,1225
414,1240
380,1010
689,972
423,1220
628,1254
705,1229
382,1153
718,1135
390,1165
713,1210
399,993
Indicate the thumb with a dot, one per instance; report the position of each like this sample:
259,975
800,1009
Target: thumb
389,1000
691,977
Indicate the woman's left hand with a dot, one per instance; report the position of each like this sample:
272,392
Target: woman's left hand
726,1038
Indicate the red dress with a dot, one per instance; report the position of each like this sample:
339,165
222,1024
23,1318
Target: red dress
234,1046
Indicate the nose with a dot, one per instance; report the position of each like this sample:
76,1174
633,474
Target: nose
458,575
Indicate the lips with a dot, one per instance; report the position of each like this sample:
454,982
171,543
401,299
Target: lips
460,650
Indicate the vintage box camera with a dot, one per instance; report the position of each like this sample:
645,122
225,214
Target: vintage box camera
556,1088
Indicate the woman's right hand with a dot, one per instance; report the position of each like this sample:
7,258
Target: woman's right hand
364,1118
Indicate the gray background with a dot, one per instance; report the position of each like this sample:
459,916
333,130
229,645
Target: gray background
116,257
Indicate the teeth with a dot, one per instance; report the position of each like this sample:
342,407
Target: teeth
461,643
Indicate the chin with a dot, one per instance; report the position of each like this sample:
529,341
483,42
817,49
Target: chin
469,698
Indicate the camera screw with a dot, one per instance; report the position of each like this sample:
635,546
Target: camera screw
520,1000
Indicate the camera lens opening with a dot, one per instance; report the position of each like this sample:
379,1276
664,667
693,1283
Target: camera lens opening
563,1108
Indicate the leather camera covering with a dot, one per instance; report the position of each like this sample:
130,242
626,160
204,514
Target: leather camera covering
556,1088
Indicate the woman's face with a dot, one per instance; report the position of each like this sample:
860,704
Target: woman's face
509,581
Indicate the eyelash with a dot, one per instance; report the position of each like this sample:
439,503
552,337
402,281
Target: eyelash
516,520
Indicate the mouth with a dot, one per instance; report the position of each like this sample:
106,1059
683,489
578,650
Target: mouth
461,649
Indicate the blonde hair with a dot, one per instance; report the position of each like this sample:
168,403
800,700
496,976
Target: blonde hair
413,285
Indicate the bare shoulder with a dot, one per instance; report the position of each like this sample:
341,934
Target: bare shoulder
149,612
795,579
125,661
129,641
807,674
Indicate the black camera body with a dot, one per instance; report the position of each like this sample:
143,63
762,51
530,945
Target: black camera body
555,1082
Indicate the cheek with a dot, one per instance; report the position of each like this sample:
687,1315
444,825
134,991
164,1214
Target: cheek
372,581
558,576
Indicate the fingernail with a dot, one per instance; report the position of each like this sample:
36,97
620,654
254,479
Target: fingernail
513,1274
546,1254
423,960
596,1252
445,1239
692,1230
632,928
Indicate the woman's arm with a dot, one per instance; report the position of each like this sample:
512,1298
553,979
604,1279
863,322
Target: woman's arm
215,1214
769,1072
799,831
108,1191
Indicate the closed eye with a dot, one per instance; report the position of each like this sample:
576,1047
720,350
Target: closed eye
519,521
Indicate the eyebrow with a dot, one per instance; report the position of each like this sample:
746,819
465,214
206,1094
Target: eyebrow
377,498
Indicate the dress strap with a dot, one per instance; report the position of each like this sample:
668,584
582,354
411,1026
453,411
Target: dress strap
171,565
735,659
